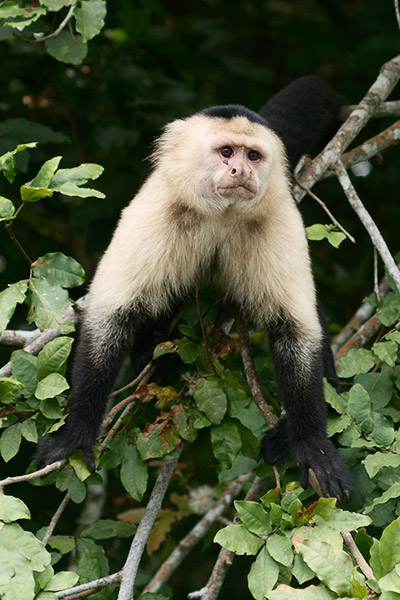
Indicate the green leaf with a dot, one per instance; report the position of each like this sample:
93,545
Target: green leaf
7,209
379,386
188,350
355,361
253,516
92,562
359,405
108,528
301,571
386,352
389,545
55,5
50,408
62,543
90,17
391,582
226,443
238,539
10,442
7,160
59,269
389,310
263,575
53,356
157,440
77,462
47,303
134,474
332,566
66,48
320,232
62,581
14,538
69,181
374,462
9,298
68,481
281,549
9,389
343,520
16,577
33,15
211,399
12,509
333,398
46,173
23,367
313,592
392,492
50,386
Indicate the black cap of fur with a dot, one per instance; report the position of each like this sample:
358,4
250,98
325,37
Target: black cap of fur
229,111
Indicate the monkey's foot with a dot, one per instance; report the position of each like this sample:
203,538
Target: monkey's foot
318,454
55,446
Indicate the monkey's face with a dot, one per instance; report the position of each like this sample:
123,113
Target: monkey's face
236,164
215,164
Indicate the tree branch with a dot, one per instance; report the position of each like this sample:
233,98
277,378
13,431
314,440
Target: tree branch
368,223
385,109
387,79
250,371
143,531
196,534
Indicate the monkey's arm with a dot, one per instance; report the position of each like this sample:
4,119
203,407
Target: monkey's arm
302,433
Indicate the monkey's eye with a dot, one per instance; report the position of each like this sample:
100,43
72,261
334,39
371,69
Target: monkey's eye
253,155
226,151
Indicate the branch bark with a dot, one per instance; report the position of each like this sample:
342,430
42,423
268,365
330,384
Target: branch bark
387,79
143,531
365,218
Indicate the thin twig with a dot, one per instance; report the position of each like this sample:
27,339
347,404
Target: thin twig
225,557
79,591
61,26
356,554
328,212
143,531
133,383
195,535
368,223
376,286
10,232
250,371
39,473
55,519
397,10
386,109
360,337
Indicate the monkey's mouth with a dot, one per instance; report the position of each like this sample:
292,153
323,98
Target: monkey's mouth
240,191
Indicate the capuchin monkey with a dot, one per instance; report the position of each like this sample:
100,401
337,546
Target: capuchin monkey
217,209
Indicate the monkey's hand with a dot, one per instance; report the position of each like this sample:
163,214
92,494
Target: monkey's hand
55,446
317,453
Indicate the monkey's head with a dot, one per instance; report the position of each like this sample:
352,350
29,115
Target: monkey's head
223,158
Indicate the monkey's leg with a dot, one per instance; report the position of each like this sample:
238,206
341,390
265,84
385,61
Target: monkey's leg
97,363
299,370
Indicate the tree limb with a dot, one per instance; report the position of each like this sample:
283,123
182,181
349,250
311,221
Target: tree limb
130,568
369,224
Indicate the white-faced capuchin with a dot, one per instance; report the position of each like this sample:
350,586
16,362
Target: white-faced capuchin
217,208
